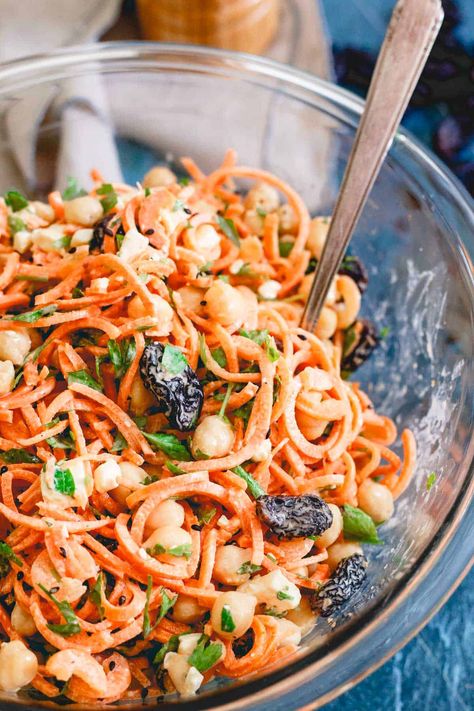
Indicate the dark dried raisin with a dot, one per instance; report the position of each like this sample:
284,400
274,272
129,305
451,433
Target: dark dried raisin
353,267
346,579
294,516
180,395
99,231
360,339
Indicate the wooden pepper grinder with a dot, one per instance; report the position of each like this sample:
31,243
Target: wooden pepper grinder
243,25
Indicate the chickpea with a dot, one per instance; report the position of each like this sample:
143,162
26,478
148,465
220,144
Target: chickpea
318,230
22,621
159,177
263,196
140,397
191,297
224,303
168,513
288,222
83,211
228,561
332,533
250,321
303,616
254,221
327,323
305,288
301,572
187,610
235,608
287,632
376,500
205,240
131,478
82,237
137,309
14,345
213,436
169,537
43,210
339,551
7,376
18,665
251,249
107,476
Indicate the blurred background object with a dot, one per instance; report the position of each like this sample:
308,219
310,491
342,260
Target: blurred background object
243,25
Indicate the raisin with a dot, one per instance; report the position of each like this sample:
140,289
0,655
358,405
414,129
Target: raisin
353,267
99,232
360,339
294,516
180,396
344,582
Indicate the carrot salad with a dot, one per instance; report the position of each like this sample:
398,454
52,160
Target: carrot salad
187,476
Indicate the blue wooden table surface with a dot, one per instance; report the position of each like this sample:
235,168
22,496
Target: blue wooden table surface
435,671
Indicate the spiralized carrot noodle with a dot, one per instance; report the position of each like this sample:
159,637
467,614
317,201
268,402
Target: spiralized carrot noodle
160,384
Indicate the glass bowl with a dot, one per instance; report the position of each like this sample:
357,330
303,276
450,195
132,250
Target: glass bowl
147,103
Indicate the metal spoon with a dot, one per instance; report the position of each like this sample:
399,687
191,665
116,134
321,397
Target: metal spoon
411,33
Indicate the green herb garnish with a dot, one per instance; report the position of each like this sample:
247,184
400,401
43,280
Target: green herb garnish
227,621
228,228
173,468
72,625
219,356
204,516
6,557
95,595
121,354
182,551
205,654
32,316
166,605
84,378
15,200
253,486
282,595
170,445
19,456
64,481
173,360
285,247
16,224
72,190
357,525
248,568
110,196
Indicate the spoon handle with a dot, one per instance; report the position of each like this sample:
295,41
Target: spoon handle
410,35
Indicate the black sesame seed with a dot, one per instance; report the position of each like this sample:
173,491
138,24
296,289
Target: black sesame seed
3,470
54,590
196,527
27,587
150,231
144,693
62,551
187,210
121,599
303,338
20,576
203,303
108,231
112,666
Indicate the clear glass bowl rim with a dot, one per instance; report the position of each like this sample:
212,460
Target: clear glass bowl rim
457,528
